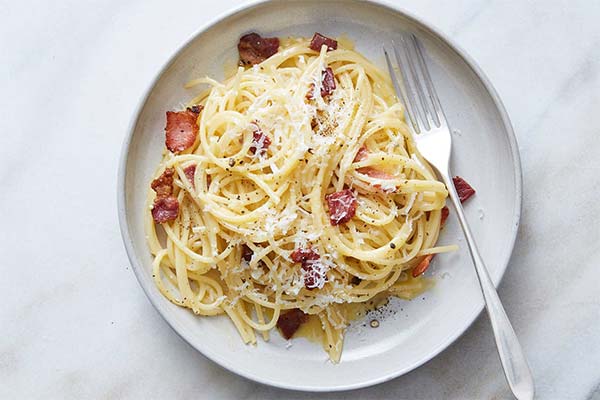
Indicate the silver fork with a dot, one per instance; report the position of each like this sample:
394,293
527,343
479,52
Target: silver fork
431,134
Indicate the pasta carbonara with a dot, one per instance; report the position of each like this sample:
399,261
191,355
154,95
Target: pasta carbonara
292,191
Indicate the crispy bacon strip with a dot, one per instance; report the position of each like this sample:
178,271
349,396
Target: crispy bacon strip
163,185
182,129
289,322
165,209
255,49
166,206
319,40
342,206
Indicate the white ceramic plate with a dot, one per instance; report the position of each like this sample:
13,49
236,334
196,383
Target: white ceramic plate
485,153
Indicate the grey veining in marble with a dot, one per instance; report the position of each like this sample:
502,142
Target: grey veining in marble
73,321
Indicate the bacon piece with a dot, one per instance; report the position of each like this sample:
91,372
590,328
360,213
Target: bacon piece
361,154
247,253
260,142
163,185
319,40
255,49
314,274
327,82
165,209
342,206
464,190
313,271
375,173
445,214
378,174
195,109
182,130
166,206
422,266
289,322
190,173
372,172
301,255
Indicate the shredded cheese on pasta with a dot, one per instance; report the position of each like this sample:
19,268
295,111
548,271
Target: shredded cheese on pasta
273,201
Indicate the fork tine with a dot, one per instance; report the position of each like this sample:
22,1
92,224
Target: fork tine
433,97
410,91
419,80
401,90
415,82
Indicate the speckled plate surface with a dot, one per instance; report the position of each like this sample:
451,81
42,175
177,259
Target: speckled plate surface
485,153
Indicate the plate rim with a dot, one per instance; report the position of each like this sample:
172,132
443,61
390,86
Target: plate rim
223,362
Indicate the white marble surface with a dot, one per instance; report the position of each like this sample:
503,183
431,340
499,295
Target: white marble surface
75,324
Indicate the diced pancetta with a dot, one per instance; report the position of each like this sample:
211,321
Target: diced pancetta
464,190
327,84
289,322
342,206
260,142
319,40
255,49
314,273
304,255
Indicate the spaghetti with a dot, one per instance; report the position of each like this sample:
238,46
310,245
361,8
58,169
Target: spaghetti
302,193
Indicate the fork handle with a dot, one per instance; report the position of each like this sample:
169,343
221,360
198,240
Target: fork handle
513,360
